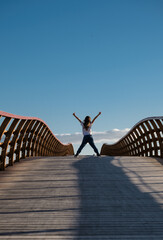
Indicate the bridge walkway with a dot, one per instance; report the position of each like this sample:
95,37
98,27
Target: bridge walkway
82,198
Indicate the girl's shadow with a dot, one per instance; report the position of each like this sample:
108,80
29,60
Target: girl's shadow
111,205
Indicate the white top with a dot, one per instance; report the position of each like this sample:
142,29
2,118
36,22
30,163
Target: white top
88,131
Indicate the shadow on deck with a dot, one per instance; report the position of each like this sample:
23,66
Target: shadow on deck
112,205
84,198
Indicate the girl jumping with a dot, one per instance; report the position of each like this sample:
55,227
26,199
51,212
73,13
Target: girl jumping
87,138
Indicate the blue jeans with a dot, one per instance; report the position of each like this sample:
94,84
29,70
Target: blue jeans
87,139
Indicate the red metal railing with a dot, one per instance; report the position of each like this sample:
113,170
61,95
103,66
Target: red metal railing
144,139
22,137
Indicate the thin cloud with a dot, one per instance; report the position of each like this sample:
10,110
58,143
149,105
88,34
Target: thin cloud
111,136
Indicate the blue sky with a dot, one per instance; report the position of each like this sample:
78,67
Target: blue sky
63,56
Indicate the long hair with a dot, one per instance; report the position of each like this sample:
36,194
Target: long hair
87,122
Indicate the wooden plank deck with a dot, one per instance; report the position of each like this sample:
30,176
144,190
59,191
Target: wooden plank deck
82,198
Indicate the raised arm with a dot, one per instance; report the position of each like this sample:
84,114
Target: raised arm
77,117
96,117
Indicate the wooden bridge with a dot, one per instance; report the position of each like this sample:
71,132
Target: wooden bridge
52,195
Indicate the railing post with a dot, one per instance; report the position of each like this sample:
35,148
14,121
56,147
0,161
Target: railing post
19,141
43,137
7,140
38,141
34,140
45,143
2,130
32,133
14,141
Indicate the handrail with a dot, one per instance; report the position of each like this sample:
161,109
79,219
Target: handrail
144,139
22,137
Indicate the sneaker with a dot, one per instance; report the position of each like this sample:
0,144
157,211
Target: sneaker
75,155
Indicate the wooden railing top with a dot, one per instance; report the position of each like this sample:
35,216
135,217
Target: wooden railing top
5,114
